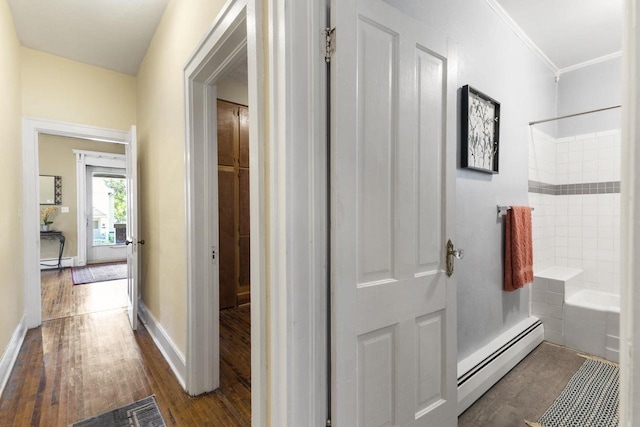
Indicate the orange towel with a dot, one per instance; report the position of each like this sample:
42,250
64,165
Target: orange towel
518,248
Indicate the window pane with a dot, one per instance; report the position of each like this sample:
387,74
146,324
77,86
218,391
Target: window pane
109,210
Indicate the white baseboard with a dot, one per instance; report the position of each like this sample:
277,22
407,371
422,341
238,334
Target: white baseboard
52,263
11,352
480,371
167,347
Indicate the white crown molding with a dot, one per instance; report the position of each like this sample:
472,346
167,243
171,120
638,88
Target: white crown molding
593,61
493,4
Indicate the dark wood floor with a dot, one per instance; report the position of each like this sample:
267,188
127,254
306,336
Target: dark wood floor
527,391
78,366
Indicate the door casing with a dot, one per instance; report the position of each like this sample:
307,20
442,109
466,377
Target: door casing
31,129
224,45
85,159
288,182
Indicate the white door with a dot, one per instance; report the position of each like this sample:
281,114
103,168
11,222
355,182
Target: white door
133,239
393,96
105,202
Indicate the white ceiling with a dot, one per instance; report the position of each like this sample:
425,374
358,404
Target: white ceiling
569,32
239,72
113,34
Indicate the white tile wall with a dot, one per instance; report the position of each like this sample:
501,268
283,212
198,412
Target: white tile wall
579,231
543,157
543,230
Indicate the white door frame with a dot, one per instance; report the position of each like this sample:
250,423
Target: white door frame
287,184
31,129
224,45
86,158
298,192
630,231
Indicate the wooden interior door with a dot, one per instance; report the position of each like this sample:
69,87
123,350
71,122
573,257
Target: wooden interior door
233,203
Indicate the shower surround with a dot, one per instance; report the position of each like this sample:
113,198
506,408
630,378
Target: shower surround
574,186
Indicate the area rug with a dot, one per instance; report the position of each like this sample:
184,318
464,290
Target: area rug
99,273
590,398
144,412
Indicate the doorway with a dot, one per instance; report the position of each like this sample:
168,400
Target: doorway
233,203
231,41
33,130
69,289
106,212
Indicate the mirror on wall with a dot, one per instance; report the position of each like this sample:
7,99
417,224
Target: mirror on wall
50,190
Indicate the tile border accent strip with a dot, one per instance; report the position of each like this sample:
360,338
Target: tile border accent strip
571,189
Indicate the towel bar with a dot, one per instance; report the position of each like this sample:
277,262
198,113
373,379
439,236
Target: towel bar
504,209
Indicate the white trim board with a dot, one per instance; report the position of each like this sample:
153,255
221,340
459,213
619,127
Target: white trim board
31,129
298,166
630,229
174,357
11,352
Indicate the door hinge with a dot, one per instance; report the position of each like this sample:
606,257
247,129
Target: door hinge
330,43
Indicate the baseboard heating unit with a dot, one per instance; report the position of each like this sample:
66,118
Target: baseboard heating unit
481,370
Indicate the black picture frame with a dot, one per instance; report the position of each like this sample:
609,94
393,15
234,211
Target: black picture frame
480,131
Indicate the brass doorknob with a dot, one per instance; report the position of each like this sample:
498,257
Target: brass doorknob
451,254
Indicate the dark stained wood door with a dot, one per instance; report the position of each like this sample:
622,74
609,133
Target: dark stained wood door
233,203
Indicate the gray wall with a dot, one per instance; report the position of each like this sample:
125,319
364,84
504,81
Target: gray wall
589,88
493,60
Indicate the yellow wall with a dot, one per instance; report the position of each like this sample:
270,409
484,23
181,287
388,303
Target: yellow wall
161,159
56,157
11,259
70,91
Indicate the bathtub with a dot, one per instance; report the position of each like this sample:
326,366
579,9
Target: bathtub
592,323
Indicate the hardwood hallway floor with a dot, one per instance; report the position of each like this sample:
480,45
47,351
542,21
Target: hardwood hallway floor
78,366
60,298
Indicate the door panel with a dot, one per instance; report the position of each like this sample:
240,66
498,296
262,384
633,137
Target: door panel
377,379
243,184
244,137
429,385
376,147
393,307
227,133
227,242
430,73
244,278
